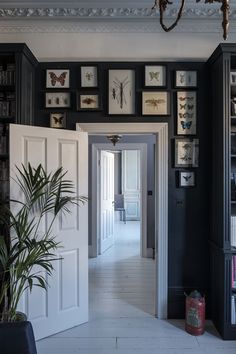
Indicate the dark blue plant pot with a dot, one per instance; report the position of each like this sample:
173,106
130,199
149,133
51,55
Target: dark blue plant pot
17,338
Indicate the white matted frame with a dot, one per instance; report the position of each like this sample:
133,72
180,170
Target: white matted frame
161,197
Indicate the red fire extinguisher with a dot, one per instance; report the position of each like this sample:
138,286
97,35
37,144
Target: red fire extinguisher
195,313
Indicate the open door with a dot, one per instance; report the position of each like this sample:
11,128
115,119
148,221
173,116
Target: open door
65,303
107,199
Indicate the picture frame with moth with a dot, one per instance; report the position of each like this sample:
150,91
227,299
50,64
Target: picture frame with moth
57,100
88,76
155,103
186,152
154,76
121,92
58,120
87,101
186,112
57,78
187,179
186,78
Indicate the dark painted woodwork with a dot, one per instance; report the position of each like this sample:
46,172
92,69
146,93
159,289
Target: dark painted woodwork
220,64
189,219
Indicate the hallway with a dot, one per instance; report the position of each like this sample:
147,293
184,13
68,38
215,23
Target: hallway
122,307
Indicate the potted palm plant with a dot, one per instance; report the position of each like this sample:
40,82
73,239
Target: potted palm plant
28,248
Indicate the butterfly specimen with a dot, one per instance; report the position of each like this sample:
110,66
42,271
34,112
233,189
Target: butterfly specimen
186,125
154,75
186,98
187,177
183,106
61,78
153,102
182,78
58,120
190,107
186,115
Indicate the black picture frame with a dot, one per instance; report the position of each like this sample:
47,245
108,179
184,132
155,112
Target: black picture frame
94,101
188,76
58,99
151,78
91,74
58,120
186,152
57,78
151,102
187,179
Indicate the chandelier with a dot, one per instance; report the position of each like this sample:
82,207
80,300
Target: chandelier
162,5
114,138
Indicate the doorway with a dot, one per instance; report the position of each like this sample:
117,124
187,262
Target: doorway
161,196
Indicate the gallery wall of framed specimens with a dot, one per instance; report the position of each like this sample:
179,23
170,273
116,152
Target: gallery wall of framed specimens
136,92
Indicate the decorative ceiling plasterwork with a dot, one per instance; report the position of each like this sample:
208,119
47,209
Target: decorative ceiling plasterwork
131,16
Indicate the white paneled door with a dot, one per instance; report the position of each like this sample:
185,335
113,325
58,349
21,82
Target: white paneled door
65,303
107,198
131,183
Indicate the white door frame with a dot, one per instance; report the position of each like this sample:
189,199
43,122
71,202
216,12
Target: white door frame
161,195
95,227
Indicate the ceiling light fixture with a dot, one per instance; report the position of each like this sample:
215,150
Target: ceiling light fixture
114,138
162,6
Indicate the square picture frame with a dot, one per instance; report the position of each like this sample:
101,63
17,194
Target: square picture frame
187,179
154,76
155,103
121,92
57,100
89,76
186,152
87,101
186,112
58,120
57,78
186,78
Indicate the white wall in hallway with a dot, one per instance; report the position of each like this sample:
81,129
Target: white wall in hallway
118,46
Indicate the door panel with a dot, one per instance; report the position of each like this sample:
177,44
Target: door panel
107,198
65,304
131,183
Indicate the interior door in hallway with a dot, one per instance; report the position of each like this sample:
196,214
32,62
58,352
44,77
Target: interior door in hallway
107,198
65,303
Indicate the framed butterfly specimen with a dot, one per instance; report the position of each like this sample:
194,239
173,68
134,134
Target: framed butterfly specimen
88,102
58,120
155,103
89,76
155,76
57,99
186,112
186,179
57,78
186,152
185,78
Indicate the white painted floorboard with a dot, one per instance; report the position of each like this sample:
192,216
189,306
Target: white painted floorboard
122,310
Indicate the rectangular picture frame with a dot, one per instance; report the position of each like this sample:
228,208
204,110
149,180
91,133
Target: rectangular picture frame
121,92
89,76
87,101
58,120
57,78
186,152
233,78
57,100
154,76
186,112
186,78
155,103
187,179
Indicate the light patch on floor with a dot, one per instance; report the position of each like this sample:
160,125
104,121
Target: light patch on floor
122,310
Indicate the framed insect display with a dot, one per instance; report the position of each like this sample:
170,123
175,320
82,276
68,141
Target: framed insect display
155,103
87,101
186,179
56,78
89,76
57,99
186,112
121,96
58,120
186,152
155,76
185,78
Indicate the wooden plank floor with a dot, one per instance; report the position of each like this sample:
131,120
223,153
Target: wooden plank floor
122,310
